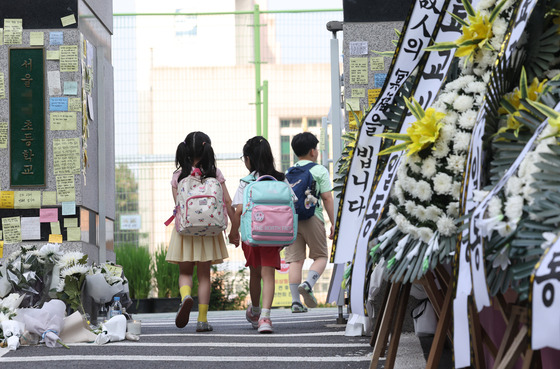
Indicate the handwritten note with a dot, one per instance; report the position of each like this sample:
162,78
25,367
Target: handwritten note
74,104
30,228
48,215
70,222
379,79
53,54
1,43
3,135
58,104
69,208
49,198
70,88
63,121
2,88
53,80
358,71
6,199
27,199
352,104
377,63
358,48
56,38
66,156
13,31
65,188
69,58
68,20
55,238
11,229
358,92
55,228
372,95
73,234
36,38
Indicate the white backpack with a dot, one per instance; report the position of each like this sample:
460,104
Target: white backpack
200,208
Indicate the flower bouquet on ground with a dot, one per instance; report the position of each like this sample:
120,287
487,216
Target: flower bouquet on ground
8,307
73,271
46,322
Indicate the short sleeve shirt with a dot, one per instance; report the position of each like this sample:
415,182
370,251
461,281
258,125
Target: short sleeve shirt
322,178
238,197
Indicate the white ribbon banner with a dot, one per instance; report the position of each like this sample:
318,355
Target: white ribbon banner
361,173
545,319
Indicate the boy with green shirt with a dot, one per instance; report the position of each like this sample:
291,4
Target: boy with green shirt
311,232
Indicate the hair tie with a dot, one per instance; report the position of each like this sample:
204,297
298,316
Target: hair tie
260,140
204,143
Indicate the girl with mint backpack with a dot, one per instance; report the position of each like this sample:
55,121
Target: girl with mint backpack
262,261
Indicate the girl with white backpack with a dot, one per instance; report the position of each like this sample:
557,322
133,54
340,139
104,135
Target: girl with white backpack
203,205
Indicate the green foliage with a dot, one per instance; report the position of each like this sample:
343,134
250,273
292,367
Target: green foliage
167,275
135,261
229,290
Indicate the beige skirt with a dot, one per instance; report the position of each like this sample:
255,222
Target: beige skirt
196,248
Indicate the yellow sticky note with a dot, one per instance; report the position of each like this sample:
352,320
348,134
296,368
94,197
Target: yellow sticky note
0,235
49,198
68,20
358,71
69,58
73,234
6,199
65,188
372,96
13,31
53,54
1,36
27,199
358,92
1,249
66,156
74,104
377,63
353,124
70,222
352,103
63,121
3,135
36,38
11,228
2,89
55,238
55,228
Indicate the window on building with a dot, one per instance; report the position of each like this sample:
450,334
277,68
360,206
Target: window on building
285,152
312,122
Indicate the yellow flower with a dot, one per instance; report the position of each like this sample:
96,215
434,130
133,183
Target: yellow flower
425,131
475,36
514,99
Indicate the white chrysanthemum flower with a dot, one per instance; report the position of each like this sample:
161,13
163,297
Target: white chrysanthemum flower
456,190
425,234
514,208
60,286
441,149
456,163
453,209
528,194
442,184
463,103
461,141
420,213
397,193
393,211
423,191
413,166
513,186
433,213
485,4
429,168
479,195
70,258
449,97
446,226
499,27
467,119
494,207
75,269
450,118
447,133
410,206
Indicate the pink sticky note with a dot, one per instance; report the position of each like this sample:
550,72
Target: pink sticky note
48,215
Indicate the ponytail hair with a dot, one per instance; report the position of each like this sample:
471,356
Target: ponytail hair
261,160
196,147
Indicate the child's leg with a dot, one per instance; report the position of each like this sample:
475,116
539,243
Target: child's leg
268,275
185,278
255,285
204,285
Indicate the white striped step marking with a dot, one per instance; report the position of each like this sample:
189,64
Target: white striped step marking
189,358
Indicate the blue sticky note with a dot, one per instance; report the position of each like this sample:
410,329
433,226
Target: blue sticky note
379,79
58,104
70,88
56,38
69,208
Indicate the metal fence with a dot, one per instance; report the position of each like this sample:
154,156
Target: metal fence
231,75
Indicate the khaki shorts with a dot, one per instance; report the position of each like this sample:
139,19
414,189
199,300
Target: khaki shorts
311,232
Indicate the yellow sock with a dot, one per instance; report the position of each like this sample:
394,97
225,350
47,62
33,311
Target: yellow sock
202,312
185,291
